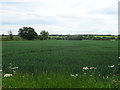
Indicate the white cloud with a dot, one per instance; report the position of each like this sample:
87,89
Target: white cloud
60,16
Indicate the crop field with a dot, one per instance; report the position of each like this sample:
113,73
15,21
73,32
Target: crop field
61,63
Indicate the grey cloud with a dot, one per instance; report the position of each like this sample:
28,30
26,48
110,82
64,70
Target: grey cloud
59,19
10,3
107,11
30,21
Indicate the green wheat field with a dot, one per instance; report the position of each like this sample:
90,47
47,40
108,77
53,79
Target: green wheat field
60,64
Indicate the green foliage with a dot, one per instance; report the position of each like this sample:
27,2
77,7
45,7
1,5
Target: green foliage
60,80
10,35
64,37
90,37
44,35
6,38
27,33
75,37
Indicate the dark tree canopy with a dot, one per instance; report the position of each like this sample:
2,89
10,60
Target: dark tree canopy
44,35
27,33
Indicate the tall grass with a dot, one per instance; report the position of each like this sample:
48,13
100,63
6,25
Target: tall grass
60,80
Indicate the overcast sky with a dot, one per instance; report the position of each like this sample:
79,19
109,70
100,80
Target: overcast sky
60,16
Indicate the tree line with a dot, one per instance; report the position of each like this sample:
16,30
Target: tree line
29,33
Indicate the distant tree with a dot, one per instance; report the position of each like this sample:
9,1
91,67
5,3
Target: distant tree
44,35
79,37
27,33
10,35
75,37
112,37
3,35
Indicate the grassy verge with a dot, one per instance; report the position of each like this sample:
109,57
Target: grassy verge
59,80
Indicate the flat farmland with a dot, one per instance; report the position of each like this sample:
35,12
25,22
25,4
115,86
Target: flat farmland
60,60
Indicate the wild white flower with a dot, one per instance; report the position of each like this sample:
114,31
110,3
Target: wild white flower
76,75
8,75
93,68
0,70
15,68
72,75
118,57
85,68
111,66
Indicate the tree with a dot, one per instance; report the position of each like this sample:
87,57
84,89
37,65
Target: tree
75,37
10,35
44,35
27,33
3,35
